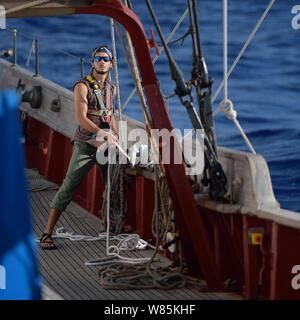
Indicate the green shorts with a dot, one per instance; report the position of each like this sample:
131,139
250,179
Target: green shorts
83,159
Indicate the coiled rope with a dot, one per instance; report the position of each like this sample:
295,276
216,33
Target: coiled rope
118,275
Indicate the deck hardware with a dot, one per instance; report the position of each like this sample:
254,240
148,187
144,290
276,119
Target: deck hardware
151,42
7,53
20,86
33,97
55,105
172,239
255,235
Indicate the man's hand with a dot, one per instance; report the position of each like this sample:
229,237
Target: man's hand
108,136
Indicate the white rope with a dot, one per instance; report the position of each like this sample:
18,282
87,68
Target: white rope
231,115
225,49
229,111
62,232
222,105
130,242
126,242
30,53
242,52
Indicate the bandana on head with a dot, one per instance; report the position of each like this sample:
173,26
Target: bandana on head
101,49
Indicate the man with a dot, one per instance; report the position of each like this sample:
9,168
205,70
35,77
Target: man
93,98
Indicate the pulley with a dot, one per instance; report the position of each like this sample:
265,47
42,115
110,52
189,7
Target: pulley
33,97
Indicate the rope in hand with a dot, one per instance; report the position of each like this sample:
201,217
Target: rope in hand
130,241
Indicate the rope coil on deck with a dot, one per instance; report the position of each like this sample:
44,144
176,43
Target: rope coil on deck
129,274
120,276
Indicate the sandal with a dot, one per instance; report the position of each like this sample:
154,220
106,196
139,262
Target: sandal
47,239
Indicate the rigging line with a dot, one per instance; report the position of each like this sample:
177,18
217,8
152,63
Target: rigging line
242,52
113,250
182,38
160,51
20,33
115,65
128,61
118,97
46,46
26,6
196,23
137,81
225,50
30,53
66,53
229,111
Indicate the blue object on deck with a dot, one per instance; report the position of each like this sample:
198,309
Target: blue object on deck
19,276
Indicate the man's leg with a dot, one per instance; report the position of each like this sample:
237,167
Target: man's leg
52,219
81,162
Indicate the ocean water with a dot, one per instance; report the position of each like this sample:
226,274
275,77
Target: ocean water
264,87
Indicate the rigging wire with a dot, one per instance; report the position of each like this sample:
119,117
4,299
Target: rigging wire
240,55
45,45
160,51
115,63
242,51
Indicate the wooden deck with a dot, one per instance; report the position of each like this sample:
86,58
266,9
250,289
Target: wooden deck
64,273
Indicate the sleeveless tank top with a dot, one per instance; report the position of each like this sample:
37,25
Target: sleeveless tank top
99,117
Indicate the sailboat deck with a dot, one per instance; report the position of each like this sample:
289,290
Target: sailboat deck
63,271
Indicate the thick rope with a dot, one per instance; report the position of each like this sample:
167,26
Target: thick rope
132,240
232,115
115,61
141,276
165,213
137,81
114,199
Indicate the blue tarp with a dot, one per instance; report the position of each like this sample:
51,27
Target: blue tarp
19,276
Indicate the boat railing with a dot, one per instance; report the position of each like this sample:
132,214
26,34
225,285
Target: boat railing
35,46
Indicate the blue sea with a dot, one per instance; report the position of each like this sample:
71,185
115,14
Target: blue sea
264,87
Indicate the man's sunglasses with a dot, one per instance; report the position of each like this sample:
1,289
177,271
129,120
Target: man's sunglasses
98,58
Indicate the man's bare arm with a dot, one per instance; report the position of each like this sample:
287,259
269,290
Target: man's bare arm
81,108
